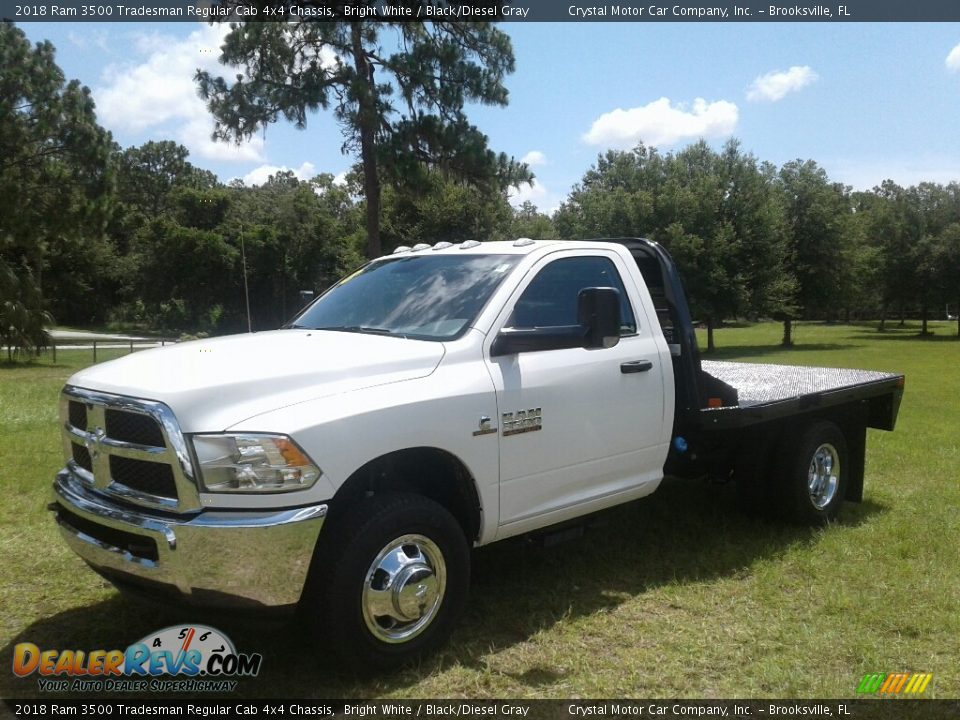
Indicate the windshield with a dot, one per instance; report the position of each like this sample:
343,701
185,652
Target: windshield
426,297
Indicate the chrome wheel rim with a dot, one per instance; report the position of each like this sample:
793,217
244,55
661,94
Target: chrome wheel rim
823,477
403,588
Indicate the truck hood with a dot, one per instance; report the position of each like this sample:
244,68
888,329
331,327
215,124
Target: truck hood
213,384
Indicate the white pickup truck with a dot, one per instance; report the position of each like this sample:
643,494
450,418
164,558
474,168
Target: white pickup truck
439,398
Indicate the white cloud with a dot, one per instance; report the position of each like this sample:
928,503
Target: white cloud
159,94
98,39
260,175
777,85
953,60
536,193
534,158
663,123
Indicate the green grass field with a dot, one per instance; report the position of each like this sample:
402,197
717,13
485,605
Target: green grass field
677,595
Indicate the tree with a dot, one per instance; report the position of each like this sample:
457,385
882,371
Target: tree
147,174
934,254
297,235
702,237
186,273
946,261
895,228
927,277
22,315
861,274
531,223
753,208
402,109
717,213
55,190
616,197
818,214
441,209
155,182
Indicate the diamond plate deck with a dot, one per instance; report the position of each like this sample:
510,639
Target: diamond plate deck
761,383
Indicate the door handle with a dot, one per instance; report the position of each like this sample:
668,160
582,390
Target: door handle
635,366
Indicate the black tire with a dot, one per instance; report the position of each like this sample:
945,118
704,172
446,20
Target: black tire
812,482
424,543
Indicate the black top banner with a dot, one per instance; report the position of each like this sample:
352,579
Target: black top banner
480,10
489,709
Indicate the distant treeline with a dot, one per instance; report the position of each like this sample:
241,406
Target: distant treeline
756,241
92,234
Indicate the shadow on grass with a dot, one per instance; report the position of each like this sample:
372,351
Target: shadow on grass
733,352
905,334
8,366
686,532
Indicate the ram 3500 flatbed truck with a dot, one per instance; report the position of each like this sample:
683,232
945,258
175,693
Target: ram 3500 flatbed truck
439,398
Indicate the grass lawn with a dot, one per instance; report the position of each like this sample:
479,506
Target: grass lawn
677,595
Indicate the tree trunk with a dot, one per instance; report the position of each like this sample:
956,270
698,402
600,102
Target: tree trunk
903,315
787,333
283,288
367,119
883,318
710,345
923,319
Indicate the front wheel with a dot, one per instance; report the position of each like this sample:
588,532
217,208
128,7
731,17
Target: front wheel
812,477
389,581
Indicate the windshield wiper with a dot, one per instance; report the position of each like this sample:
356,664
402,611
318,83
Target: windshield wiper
360,329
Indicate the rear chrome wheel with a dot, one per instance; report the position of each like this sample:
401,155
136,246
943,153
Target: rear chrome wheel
811,484
823,477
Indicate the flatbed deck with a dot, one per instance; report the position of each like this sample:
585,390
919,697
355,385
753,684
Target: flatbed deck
766,391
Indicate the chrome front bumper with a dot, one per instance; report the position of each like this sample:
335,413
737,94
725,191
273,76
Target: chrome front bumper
213,558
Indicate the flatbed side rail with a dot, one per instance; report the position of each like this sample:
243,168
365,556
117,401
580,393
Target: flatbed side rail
881,397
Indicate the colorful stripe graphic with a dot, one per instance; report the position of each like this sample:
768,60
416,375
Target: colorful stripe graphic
895,683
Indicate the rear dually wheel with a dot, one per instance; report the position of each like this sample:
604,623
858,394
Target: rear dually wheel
812,480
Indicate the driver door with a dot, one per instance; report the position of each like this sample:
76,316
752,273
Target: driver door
580,429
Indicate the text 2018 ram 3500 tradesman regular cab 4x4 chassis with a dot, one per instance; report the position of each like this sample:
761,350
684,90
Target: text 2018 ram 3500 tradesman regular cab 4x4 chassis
438,398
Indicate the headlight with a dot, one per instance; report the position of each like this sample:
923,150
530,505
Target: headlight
253,463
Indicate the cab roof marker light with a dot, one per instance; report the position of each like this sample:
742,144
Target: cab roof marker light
467,244
419,246
402,249
523,242
442,245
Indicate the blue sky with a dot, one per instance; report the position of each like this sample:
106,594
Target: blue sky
866,101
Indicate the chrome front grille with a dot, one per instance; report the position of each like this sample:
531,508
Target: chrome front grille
132,449
78,414
134,428
152,478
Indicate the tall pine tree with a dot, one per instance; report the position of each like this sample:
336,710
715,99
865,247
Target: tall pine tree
398,91
55,190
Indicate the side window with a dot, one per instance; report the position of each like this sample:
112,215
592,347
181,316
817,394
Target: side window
551,297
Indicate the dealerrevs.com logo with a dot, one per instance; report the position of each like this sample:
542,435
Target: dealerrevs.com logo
192,658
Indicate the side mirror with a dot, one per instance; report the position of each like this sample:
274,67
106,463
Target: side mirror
598,326
598,310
